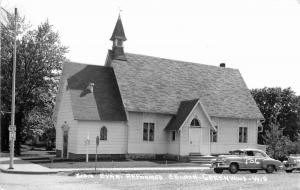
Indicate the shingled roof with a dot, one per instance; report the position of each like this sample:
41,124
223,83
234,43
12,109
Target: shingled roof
157,85
104,103
184,110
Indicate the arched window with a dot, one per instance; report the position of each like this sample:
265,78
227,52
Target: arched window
103,133
195,123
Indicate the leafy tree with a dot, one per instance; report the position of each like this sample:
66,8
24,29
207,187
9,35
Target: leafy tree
40,55
281,105
297,146
279,146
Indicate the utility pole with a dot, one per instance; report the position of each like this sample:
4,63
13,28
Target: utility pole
0,82
12,127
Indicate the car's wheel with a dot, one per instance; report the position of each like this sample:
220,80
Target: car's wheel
270,169
253,171
288,171
233,168
218,170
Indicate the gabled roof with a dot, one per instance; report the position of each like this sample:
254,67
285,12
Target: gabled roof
118,31
157,85
184,110
104,103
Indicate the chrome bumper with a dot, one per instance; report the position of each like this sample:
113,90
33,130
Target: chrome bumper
219,165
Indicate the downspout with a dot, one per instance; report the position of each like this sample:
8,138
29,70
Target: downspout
179,140
127,127
209,140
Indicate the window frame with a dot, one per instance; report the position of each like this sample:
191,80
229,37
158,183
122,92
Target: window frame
213,134
103,133
243,135
173,136
149,134
195,123
145,133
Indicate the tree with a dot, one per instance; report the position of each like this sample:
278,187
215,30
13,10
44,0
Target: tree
40,55
280,105
279,146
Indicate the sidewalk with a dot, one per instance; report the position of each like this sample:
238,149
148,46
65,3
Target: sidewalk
23,167
26,167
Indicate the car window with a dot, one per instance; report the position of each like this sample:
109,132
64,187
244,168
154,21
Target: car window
237,152
249,153
258,154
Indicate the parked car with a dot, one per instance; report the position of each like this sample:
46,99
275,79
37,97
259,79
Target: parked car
293,163
246,159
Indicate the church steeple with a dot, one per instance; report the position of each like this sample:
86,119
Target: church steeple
118,37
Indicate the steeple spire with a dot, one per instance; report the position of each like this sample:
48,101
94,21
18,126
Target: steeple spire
118,37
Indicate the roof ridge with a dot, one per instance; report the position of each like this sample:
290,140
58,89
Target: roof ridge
85,64
179,61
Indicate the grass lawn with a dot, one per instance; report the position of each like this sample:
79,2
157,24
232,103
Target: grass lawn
39,155
113,164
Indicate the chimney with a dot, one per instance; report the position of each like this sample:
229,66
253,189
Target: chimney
222,65
91,87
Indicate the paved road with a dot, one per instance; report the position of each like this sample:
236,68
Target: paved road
152,181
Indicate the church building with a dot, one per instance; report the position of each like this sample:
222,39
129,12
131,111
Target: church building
143,107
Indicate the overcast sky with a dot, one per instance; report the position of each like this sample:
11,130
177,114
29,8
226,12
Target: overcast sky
261,38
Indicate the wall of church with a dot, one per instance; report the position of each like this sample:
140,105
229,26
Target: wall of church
65,113
123,137
116,142
173,145
136,144
228,135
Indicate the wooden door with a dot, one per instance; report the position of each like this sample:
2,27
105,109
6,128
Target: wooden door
194,138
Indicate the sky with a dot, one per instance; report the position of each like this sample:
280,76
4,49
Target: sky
261,38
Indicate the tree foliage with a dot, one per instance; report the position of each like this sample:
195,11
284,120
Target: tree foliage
279,146
40,55
281,105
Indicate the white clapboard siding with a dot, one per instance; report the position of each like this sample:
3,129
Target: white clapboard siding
116,142
65,113
173,146
135,141
228,134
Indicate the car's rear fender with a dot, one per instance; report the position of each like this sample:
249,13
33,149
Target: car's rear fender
275,163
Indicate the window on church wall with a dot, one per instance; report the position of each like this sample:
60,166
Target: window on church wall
214,135
243,134
148,131
195,123
173,135
145,132
103,133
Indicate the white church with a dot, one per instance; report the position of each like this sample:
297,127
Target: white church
144,106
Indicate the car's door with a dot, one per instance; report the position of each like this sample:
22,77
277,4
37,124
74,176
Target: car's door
250,160
241,159
259,158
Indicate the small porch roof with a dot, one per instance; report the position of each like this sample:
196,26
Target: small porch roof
184,110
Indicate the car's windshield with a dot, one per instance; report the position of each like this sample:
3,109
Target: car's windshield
259,154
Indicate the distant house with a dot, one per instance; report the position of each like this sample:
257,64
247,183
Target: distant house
146,106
